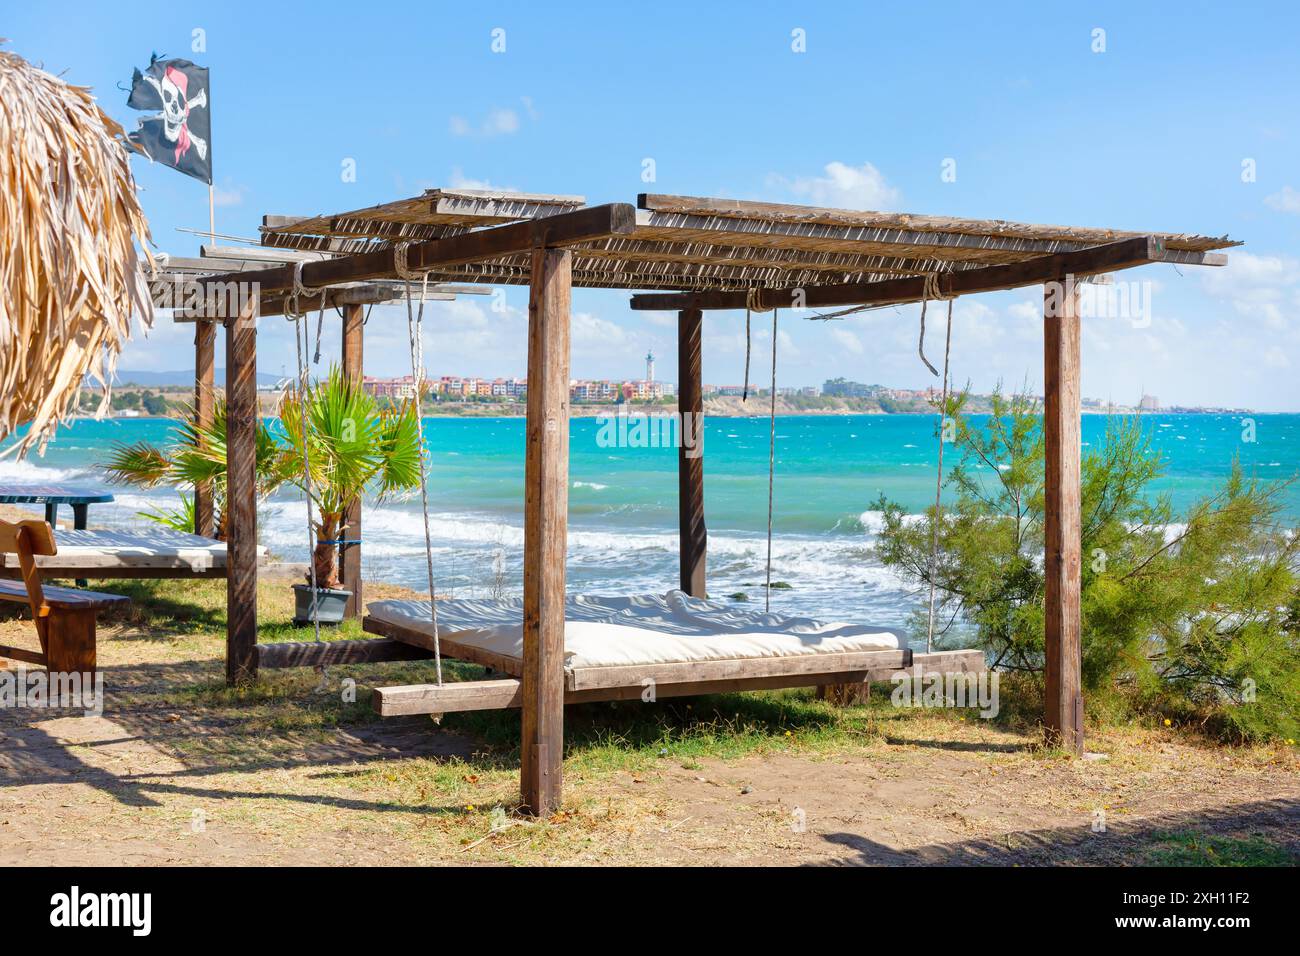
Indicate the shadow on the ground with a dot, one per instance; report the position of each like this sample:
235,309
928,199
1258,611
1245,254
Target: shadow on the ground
1122,842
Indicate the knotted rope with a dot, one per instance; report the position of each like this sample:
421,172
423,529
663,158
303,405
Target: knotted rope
930,291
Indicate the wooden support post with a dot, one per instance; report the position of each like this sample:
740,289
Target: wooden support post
350,554
205,337
1063,712
546,504
690,452
241,495
71,641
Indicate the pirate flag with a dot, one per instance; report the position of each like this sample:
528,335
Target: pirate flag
180,134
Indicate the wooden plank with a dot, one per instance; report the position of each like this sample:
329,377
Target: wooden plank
448,698
205,337
508,693
546,503
694,535
1122,254
737,668
241,496
448,645
71,641
787,213
72,599
350,551
564,229
322,653
23,654
1063,716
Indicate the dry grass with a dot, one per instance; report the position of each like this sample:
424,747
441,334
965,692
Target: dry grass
181,769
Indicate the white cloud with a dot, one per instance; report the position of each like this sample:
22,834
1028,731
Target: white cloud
228,195
499,121
843,186
1287,200
460,181
847,341
1259,287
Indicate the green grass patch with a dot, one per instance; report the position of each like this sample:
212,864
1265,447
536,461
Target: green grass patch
1190,848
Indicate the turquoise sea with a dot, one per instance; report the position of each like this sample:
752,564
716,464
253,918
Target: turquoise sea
623,501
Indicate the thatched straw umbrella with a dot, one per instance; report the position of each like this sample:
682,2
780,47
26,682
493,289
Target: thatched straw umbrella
70,269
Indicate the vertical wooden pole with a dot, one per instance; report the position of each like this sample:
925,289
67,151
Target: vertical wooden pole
1063,712
546,504
205,337
350,554
241,495
690,453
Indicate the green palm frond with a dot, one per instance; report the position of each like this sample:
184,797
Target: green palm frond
141,464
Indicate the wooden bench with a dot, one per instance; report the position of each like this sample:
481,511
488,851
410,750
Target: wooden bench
64,617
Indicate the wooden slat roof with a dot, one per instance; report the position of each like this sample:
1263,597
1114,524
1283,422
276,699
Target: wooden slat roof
693,243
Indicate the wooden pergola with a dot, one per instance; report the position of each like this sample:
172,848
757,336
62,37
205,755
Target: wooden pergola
681,254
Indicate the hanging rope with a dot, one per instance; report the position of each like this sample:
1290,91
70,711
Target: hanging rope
301,339
753,303
771,467
415,333
938,482
930,291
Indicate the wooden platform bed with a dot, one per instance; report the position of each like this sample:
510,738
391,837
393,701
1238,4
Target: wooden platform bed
152,553
792,652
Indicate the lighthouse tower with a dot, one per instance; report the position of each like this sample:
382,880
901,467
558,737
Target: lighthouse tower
649,366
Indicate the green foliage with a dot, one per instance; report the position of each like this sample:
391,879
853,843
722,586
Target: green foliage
178,519
193,455
1198,614
351,443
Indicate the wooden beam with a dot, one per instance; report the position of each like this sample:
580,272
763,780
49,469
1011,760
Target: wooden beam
321,653
694,536
241,497
546,502
350,550
205,337
564,229
507,693
1063,716
1123,254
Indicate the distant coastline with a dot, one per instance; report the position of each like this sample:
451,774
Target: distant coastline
129,403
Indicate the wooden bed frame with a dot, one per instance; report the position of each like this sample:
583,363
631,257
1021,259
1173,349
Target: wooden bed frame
644,681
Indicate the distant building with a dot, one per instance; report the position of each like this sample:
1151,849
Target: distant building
1149,403
843,388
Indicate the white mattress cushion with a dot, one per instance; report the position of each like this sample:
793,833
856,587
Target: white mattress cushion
642,629
151,547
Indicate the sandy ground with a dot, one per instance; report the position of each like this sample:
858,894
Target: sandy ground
178,770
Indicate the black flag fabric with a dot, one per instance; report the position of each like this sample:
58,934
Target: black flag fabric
180,134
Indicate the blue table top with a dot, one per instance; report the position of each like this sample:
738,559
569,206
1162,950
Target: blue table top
50,495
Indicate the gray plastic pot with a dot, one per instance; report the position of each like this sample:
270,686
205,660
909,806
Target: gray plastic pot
330,604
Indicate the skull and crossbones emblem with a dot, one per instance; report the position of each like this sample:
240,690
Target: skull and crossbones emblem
176,107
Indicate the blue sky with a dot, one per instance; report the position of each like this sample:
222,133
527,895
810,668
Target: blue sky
1150,134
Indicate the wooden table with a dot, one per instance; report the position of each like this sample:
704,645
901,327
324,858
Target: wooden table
52,496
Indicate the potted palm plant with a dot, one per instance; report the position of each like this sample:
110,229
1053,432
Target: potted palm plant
352,444
196,453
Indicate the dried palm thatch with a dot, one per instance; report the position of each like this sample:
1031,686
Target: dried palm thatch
70,269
